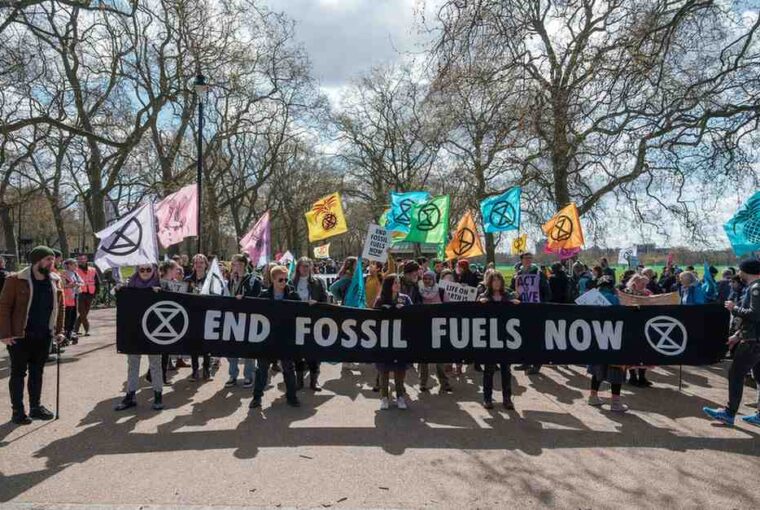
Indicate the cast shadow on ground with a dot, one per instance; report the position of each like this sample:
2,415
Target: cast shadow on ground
434,422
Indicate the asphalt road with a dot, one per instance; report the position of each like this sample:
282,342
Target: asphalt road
338,450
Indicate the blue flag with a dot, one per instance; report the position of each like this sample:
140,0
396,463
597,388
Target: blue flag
355,293
743,229
400,215
501,213
709,285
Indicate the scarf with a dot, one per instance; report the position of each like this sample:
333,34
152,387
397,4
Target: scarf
429,292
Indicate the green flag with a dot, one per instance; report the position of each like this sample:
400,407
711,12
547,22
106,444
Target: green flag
430,221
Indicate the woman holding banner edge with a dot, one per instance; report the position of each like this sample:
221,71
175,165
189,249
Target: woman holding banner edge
496,291
391,297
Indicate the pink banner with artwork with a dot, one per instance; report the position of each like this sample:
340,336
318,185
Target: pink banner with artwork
256,242
177,216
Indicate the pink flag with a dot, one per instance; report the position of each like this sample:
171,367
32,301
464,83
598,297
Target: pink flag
563,253
177,216
256,242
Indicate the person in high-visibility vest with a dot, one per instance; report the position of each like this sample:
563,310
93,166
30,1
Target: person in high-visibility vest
72,283
87,293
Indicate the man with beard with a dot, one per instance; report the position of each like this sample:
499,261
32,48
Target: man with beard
31,315
89,276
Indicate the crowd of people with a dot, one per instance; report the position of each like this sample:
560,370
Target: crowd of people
30,320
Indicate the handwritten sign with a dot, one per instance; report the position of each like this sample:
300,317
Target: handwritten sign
376,244
592,298
527,286
329,279
459,292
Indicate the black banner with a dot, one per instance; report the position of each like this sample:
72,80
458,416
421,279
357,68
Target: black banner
151,322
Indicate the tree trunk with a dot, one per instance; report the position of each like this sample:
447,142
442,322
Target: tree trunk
63,241
9,232
490,249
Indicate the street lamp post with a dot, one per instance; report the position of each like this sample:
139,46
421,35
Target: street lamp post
200,89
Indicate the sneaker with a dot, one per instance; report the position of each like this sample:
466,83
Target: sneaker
401,403
385,404
719,415
488,404
40,413
508,405
447,389
618,407
594,400
752,419
20,418
256,402
230,383
248,383
193,376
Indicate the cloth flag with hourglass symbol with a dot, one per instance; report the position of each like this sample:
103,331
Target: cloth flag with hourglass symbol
131,241
430,221
399,218
326,219
564,230
743,229
466,241
501,213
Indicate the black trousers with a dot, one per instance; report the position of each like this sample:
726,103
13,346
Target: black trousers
27,354
70,319
746,357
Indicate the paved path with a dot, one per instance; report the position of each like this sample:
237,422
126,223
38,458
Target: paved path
339,451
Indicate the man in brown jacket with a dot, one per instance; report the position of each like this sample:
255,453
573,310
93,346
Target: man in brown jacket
31,315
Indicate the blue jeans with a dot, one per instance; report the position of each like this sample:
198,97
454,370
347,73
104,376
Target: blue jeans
235,368
506,381
288,373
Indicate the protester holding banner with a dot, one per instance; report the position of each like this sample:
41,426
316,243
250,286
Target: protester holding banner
652,284
432,294
279,291
747,343
410,282
31,316
241,284
391,297
691,290
345,274
559,284
145,277
581,280
636,285
195,280
531,286
496,291
312,290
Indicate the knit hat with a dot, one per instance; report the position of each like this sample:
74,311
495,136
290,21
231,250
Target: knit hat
411,267
429,274
750,266
39,253
464,264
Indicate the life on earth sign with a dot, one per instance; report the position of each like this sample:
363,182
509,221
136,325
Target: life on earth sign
151,322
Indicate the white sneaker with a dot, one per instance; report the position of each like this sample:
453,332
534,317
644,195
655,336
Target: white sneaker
618,407
384,404
401,403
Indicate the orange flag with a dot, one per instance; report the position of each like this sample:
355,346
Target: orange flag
564,229
466,240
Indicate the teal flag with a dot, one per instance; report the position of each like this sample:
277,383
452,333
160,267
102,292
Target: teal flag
743,229
501,213
355,293
430,221
399,217
292,269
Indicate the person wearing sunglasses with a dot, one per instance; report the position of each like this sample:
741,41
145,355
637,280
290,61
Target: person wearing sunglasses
145,277
196,280
279,291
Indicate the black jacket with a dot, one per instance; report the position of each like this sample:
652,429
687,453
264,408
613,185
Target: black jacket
317,290
249,287
468,278
559,284
290,294
411,290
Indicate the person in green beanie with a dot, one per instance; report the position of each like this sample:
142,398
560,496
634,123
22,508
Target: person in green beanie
31,316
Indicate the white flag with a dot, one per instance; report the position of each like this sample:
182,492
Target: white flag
626,254
131,241
214,284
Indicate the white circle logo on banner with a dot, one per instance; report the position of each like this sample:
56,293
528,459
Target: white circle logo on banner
666,335
165,322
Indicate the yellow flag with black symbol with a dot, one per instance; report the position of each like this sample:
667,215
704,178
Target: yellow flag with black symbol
564,229
466,241
519,244
326,219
